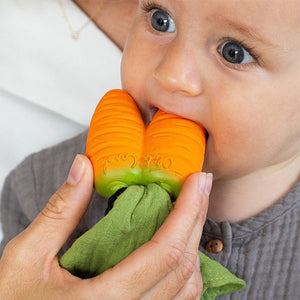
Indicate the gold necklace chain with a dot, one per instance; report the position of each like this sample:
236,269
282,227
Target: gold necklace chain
75,33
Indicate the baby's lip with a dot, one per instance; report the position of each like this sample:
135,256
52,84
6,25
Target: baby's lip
150,113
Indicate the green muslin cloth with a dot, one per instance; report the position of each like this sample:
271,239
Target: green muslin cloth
136,215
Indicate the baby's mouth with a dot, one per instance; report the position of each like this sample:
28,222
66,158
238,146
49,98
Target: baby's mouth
206,134
153,111
149,115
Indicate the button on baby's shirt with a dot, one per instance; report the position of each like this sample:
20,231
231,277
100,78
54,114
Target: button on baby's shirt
222,232
214,246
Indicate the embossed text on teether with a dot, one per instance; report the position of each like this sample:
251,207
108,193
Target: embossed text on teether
131,158
157,160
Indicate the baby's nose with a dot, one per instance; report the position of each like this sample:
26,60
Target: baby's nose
178,70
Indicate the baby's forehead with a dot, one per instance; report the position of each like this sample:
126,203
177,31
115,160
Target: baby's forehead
276,19
280,19
284,12
287,11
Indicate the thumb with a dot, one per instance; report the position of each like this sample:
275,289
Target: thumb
63,212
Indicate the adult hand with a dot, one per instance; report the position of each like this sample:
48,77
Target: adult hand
167,267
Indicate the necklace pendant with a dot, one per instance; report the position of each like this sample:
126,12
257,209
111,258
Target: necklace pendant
75,35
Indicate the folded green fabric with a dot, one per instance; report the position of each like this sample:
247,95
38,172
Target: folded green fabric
136,215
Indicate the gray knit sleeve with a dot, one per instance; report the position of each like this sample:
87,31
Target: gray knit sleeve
18,203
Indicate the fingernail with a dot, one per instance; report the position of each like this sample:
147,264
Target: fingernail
76,171
202,182
209,179
198,262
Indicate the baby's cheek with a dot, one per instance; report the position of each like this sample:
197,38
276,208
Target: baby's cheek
230,152
126,72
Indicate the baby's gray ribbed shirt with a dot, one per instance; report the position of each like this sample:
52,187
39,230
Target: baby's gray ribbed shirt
263,250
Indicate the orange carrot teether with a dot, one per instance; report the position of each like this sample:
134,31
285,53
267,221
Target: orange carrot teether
124,151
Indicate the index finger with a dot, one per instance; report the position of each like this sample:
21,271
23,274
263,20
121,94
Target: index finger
150,263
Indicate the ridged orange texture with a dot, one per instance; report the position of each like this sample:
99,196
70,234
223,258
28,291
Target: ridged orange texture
116,131
174,144
124,151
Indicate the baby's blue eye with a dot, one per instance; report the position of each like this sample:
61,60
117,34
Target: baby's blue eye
235,53
161,21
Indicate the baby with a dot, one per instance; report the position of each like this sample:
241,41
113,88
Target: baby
234,67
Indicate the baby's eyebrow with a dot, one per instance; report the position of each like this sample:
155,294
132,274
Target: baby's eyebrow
246,30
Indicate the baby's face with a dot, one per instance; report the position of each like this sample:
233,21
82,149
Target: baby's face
231,65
